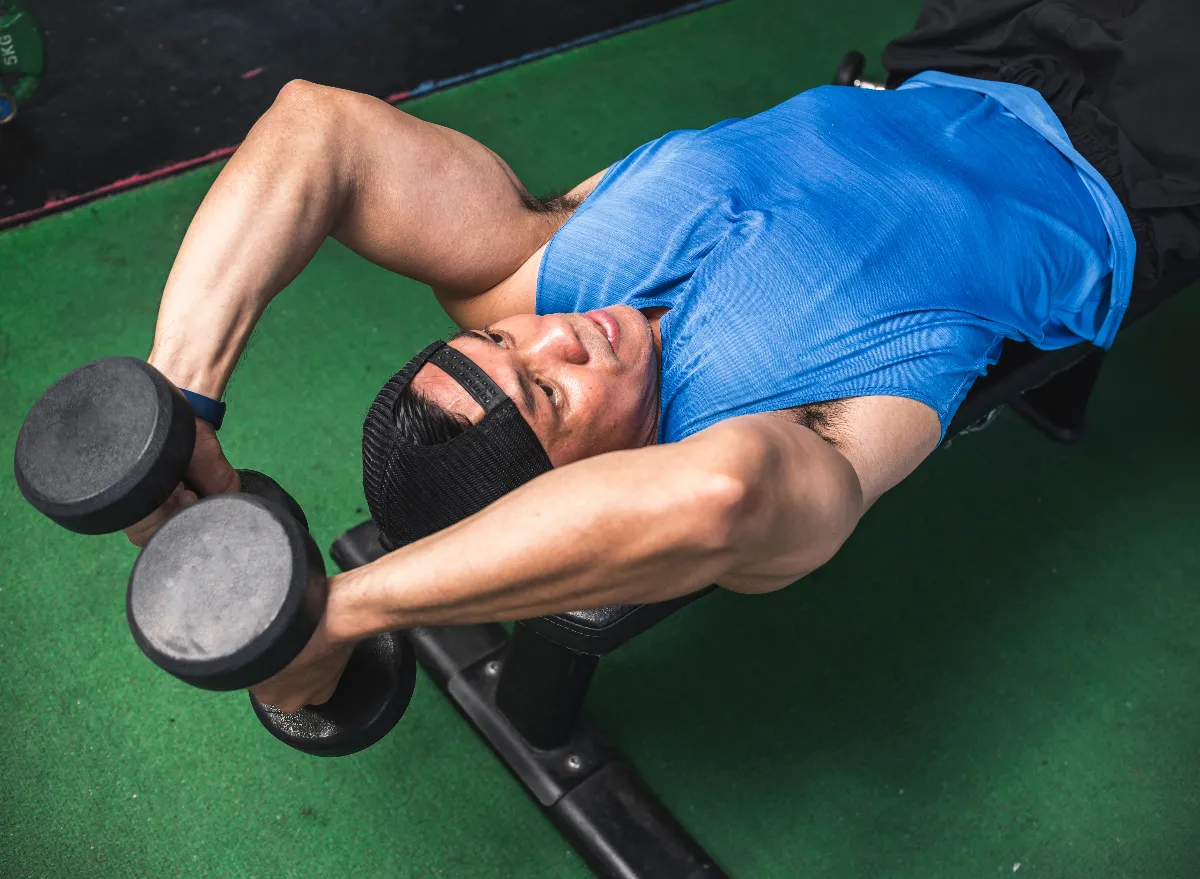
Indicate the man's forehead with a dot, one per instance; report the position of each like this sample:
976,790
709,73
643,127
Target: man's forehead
435,384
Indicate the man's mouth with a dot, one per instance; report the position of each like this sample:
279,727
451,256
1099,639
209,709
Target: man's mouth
608,324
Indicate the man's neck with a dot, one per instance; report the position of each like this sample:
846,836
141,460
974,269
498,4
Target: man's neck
653,316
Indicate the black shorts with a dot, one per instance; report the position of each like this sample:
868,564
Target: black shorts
1124,78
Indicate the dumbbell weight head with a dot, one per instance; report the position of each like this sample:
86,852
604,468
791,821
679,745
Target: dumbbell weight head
850,68
104,446
263,486
229,592
370,699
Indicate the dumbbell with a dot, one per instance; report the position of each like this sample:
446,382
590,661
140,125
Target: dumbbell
105,446
230,589
850,72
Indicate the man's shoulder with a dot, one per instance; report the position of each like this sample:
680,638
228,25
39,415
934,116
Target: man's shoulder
517,294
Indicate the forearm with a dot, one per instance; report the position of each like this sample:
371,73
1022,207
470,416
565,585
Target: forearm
416,198
628,527
265,216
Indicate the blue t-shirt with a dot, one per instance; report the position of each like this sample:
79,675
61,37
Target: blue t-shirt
849,243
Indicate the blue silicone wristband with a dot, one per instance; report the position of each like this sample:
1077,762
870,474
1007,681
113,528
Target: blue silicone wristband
206,408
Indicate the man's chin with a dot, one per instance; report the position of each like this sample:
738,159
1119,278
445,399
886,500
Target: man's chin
628,313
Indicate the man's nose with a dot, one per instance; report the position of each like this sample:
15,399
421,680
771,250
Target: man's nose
557,338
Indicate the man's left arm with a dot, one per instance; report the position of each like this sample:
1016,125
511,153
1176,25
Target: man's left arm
753,504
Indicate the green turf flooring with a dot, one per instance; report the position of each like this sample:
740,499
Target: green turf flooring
999,673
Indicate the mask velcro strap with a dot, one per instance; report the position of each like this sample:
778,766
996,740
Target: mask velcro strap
464,370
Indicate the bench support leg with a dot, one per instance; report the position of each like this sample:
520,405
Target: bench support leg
542,687
523,695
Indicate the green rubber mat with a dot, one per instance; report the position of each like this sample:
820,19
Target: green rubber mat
999,674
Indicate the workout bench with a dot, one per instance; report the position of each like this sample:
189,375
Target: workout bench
524,693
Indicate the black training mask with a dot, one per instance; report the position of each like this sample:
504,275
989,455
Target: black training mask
415,490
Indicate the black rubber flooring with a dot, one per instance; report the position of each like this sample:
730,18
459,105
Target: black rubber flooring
141,88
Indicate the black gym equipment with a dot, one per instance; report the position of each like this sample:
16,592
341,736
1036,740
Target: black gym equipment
524,693
228,591
231,589
850,72
105,446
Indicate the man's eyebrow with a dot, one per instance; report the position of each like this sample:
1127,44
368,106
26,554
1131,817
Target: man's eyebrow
526,388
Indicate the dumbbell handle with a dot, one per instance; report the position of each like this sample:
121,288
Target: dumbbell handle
375,687
370,699
263,486
102,449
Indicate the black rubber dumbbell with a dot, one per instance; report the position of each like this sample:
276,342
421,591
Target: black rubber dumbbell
850,72
230,590
103,448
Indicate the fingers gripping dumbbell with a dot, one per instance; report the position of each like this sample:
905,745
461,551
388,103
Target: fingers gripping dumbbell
224,596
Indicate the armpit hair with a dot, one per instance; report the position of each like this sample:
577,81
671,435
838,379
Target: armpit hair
560,203
825,419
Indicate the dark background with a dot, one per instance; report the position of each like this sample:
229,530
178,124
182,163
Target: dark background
135,87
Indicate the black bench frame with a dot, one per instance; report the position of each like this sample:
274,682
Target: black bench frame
523,693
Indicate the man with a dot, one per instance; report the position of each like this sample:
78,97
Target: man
705,363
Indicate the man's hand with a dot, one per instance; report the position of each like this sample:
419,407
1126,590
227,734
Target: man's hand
209,472
310,678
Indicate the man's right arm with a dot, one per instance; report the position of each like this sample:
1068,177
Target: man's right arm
411,196
416,198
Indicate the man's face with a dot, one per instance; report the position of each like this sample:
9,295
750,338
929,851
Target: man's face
586,383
